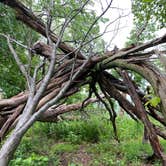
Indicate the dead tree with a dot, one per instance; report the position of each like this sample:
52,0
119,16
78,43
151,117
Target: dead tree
76,70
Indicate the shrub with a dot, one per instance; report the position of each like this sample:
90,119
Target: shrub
32,160
90,130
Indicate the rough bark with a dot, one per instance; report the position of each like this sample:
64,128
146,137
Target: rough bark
157,149
155,77
51,114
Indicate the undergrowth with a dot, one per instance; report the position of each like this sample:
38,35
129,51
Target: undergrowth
50,144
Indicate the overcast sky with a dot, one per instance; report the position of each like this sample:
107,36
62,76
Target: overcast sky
124,24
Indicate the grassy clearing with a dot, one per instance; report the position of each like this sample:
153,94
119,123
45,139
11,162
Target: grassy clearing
84,142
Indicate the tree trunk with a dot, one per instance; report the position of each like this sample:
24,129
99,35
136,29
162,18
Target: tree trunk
8,149
154,141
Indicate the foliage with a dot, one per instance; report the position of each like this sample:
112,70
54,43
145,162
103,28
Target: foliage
56,141
152,11
76,31
90,130
141,33
132,128
139,150
154,101
63,147
11,80
149,17
33,160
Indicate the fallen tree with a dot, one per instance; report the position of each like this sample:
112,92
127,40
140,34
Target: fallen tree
76,70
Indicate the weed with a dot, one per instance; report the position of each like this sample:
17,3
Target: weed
63,147
134,150
32,160
94,135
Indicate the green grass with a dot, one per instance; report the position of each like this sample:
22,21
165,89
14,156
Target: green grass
63,147
46,143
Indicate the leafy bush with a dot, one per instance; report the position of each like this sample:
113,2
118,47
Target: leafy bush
32,160
93,135
91,130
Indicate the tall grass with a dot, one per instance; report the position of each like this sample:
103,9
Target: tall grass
48,141
90,130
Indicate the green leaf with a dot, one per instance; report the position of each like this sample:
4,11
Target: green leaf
154,101
147,0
